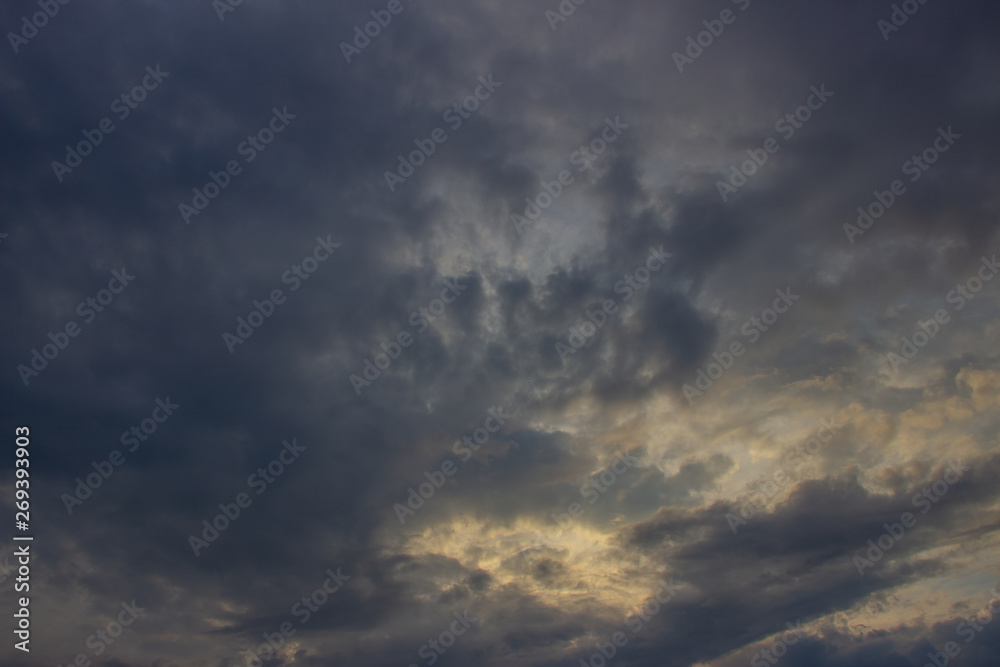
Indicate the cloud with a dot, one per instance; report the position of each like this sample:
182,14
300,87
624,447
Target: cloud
487,541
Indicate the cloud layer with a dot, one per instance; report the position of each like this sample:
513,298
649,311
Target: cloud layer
546,428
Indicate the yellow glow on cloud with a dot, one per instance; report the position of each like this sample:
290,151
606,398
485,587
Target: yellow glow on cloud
578,564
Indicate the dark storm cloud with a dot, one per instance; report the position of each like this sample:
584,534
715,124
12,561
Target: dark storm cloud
323,176
758,579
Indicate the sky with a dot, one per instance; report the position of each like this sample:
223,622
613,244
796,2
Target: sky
482,332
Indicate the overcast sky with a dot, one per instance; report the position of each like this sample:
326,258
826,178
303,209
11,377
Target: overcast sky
515,332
